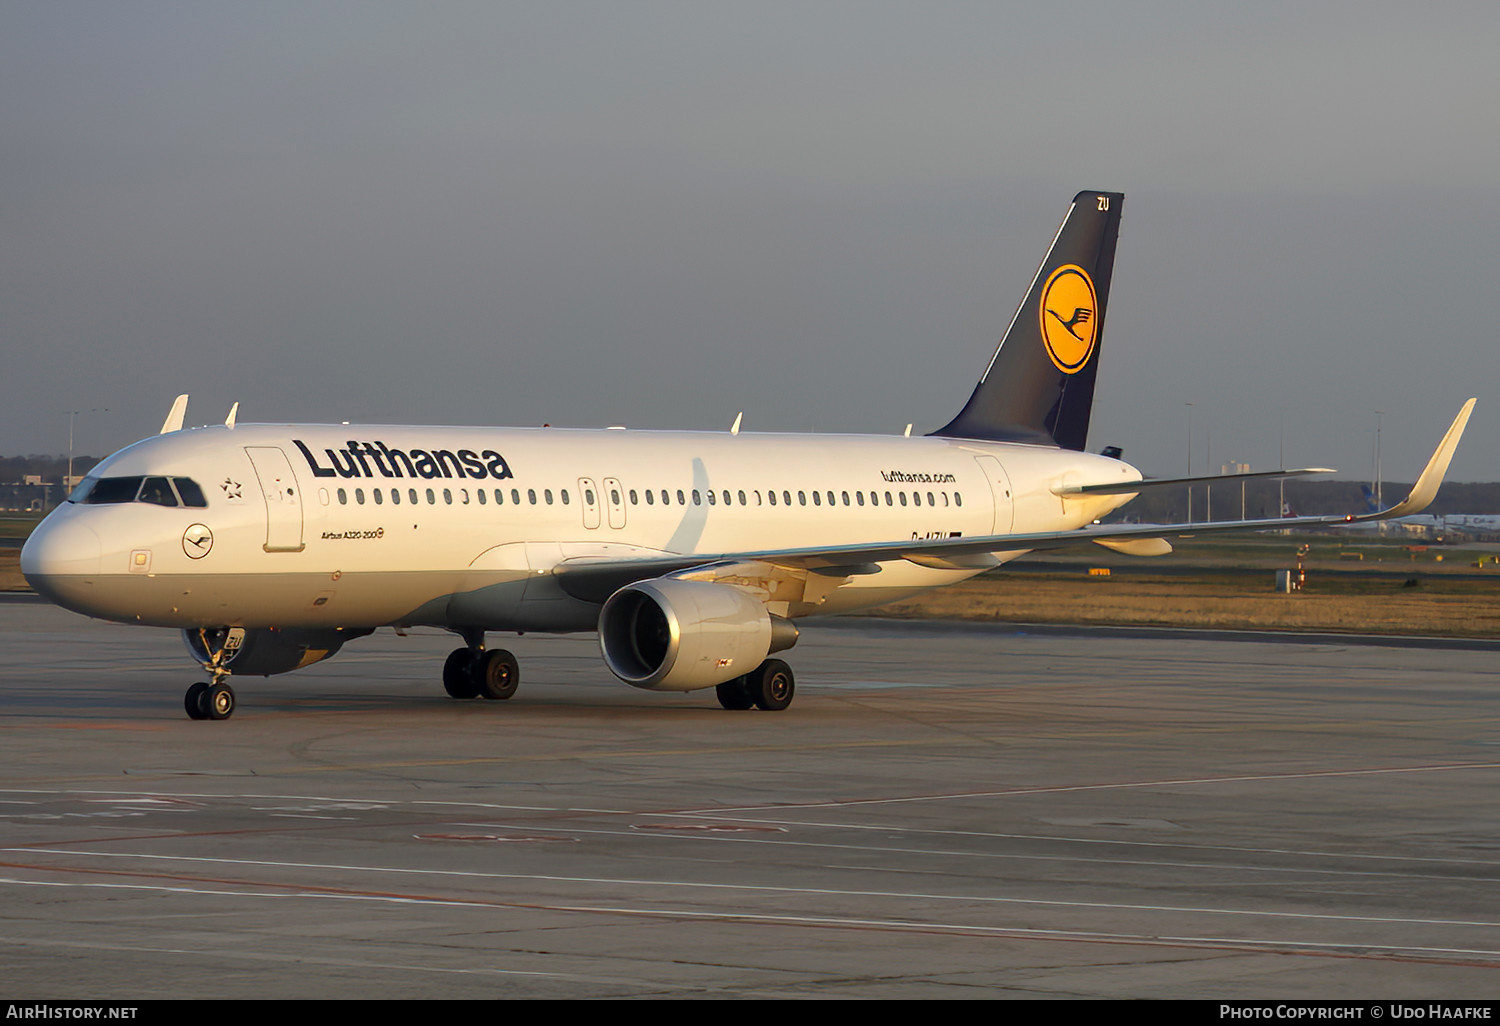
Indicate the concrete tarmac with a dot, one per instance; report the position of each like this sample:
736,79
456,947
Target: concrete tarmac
944,811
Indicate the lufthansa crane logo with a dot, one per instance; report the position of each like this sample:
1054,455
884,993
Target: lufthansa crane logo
1067,315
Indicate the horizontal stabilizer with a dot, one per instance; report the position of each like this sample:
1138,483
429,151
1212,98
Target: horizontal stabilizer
1133,487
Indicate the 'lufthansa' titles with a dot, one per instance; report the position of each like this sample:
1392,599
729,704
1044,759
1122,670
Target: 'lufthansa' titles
371,459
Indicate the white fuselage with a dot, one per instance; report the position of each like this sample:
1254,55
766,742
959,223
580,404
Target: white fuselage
364,526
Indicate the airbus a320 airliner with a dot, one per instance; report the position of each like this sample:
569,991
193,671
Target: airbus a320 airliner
691,553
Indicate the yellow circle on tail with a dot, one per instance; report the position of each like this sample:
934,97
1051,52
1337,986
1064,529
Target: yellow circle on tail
1067,312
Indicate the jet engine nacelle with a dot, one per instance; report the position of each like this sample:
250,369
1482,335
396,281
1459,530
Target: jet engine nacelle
263,651
674,635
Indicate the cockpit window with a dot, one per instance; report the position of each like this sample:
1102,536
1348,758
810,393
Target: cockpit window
113,489
158,491
192,495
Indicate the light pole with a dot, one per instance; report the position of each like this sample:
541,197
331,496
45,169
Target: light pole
1190,462
1208,464
71,415
1378,503
1281,456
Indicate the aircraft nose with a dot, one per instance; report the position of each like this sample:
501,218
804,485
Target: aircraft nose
58,555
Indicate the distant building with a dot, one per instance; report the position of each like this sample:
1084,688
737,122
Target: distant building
1235,468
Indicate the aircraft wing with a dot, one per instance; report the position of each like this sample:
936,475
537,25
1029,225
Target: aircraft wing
594,579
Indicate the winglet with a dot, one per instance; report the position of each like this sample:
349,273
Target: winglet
175,415
1425,490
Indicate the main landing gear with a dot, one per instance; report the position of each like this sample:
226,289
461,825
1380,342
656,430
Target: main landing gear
475,672
770,686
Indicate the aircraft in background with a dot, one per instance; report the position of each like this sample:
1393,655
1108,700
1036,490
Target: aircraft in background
691,553
1436,527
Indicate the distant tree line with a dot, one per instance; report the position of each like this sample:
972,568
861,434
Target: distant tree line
15,469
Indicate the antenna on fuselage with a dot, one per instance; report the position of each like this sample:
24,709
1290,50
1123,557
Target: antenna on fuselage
908,432
175,415
229,420
734,428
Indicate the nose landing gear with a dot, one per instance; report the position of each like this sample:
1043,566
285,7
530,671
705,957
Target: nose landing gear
209,701
214,700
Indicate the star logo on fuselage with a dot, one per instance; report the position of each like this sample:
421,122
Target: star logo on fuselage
231,488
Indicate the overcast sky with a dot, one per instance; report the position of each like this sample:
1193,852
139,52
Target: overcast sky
822,214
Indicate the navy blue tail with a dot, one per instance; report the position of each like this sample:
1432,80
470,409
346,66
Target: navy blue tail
1039,387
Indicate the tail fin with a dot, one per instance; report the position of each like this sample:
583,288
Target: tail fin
1039,386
